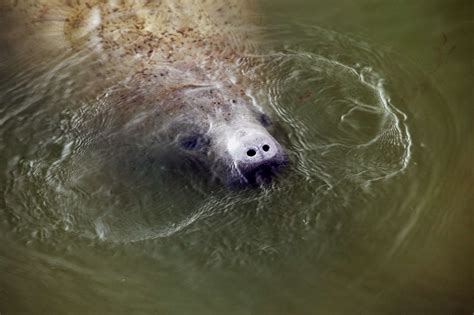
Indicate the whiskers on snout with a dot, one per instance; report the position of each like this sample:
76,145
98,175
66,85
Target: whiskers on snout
263,174
257,156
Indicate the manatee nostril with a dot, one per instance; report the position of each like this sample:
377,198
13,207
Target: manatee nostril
266,147
251,152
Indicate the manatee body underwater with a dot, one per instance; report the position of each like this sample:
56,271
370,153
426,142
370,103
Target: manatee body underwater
169,76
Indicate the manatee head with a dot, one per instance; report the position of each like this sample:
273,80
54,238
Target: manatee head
222,130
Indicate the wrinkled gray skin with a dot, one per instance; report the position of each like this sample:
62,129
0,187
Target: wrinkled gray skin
213,125
233,141
171,74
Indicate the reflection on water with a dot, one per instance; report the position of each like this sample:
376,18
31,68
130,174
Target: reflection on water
373,146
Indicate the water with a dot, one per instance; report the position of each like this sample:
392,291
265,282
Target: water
373,215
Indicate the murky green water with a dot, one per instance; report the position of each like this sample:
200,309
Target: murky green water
373,216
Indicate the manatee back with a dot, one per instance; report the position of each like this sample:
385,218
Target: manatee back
163,31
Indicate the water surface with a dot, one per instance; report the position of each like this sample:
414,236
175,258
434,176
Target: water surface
372,216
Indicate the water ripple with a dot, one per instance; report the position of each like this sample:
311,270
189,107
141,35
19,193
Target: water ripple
348,131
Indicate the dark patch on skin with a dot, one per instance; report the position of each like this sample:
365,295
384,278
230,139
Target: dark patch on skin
265,120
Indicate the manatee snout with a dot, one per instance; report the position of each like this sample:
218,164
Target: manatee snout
256,156
239,158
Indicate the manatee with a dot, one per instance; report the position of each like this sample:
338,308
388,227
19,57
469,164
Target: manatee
171,72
